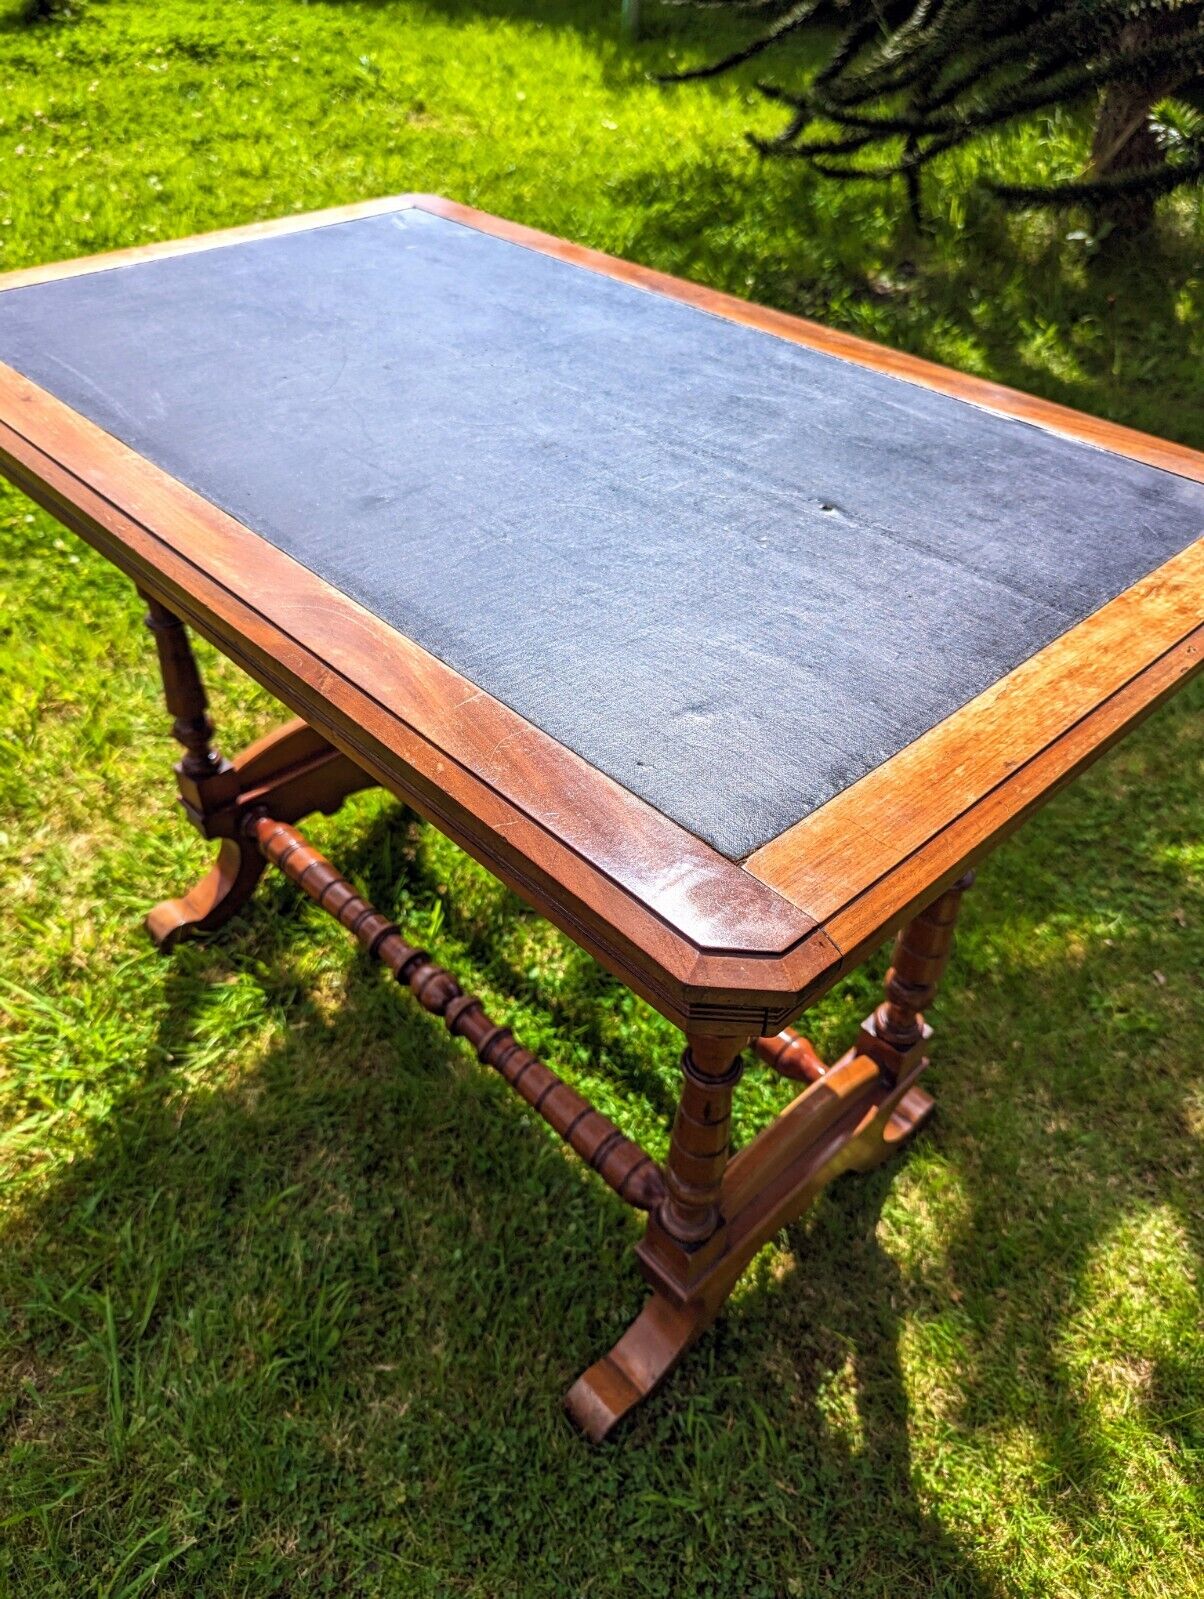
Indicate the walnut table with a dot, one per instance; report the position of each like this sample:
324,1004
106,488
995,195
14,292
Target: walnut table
728,642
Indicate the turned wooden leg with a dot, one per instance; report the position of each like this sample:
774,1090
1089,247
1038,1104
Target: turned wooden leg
917,965
895,1035
184,692
293,770
207,784
685,1236
698,1148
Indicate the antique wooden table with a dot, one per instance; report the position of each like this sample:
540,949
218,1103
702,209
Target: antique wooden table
726,641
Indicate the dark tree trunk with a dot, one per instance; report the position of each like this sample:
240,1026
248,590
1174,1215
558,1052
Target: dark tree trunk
1123,140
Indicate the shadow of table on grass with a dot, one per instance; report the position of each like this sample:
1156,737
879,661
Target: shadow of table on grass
309,1316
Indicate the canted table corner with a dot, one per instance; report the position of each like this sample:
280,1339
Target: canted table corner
727,641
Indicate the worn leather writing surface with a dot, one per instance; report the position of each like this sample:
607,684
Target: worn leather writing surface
733,573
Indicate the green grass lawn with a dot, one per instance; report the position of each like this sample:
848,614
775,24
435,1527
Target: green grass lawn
289,1288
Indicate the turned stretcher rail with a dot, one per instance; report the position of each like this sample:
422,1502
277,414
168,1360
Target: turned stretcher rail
791,1056
620,1162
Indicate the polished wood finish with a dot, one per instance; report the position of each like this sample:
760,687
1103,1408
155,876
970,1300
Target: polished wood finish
184,693
715,948
620,1163
719,1212
219,895
690,931
729,951
896,1032
791,1055
710,1069
206,782
293,770
863,862
850,1119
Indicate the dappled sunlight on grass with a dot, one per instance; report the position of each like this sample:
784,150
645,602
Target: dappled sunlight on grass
929,1207
289,1287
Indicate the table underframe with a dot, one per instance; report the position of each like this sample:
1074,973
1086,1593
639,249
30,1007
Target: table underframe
709,1211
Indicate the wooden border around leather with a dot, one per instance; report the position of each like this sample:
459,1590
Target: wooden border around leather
711,944
975,776
998,397
693,932
861,862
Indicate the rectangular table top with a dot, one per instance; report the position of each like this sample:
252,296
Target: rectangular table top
734,573
723,637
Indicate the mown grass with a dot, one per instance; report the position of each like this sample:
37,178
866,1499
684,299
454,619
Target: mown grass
290,1290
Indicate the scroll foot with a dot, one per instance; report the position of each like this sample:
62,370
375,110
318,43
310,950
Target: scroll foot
636,1366
219,895
899,1118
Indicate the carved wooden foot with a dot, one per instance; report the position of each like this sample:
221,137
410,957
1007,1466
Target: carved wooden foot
636,1366
898,1118
718,1212
908,1116
837,1122
219,895
292,771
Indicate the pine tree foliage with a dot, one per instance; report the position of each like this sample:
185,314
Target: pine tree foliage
906,82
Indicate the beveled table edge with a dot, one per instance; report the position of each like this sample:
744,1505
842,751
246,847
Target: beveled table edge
1180,459
698,936
863,872
773,953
